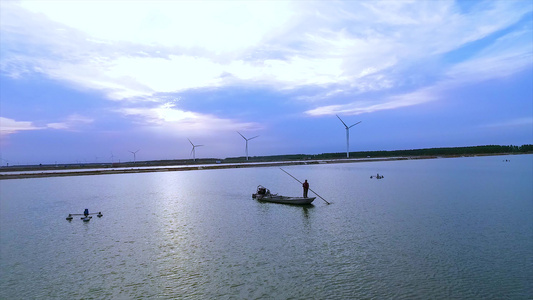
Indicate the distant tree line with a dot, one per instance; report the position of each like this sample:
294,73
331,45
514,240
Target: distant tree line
451,151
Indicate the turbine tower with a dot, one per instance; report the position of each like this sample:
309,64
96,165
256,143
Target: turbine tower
193,151
247,142
134,155
347,135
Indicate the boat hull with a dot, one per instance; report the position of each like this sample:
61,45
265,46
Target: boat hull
284,199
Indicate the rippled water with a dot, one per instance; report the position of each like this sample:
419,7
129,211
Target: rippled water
431,229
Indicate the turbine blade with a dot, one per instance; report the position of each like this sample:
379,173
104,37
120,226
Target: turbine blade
190,142
253,137
198,146
241,135
355,124
342,121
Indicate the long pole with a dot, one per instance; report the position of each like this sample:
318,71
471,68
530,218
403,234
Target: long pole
302,183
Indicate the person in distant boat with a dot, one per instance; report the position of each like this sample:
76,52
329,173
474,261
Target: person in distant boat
86,212
305,185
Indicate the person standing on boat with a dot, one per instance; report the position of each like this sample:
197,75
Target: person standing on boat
306,188
86,212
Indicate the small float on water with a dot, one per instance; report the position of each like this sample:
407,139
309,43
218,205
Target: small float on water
86,215
263,194
377,176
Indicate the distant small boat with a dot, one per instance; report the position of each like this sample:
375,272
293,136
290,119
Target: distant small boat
263,194
377,176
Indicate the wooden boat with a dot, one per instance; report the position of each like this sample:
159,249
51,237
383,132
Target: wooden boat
263,194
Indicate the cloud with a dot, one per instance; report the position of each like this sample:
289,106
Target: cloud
165,117
222,26
71,122
346,49
507,55
10,126
518,122
369,106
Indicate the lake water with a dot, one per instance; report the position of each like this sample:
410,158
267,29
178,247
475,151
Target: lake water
454,228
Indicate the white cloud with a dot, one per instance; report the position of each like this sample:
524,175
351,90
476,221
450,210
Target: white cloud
519,122
71,122
484,67
168,118
367,106
10,126
507,55
174,74
137,49
219,26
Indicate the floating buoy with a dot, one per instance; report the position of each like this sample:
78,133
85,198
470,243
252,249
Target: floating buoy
86,216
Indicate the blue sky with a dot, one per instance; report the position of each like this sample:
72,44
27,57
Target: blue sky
89,81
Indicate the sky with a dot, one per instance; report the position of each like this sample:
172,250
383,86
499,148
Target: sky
93,81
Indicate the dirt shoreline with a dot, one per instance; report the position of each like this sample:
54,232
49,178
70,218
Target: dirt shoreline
174,168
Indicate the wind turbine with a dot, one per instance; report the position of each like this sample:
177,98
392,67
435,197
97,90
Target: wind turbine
347,135
247,142
112,158
134,155
193,151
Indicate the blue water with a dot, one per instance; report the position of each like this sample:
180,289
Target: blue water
458,228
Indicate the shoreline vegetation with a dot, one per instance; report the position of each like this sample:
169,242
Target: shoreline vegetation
57,170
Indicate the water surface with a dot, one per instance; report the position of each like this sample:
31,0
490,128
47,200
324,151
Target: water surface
431,229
